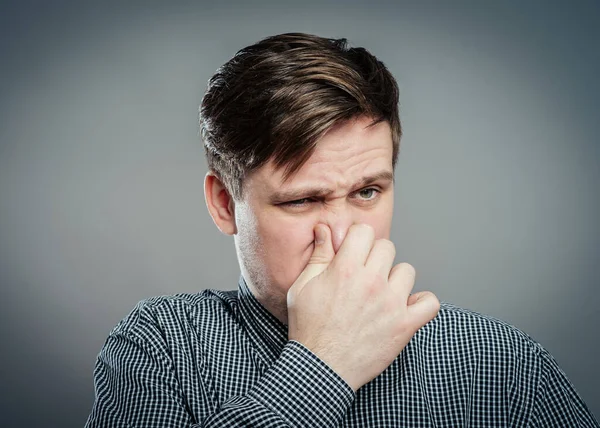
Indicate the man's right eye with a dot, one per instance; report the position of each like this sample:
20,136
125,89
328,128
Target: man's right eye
297,202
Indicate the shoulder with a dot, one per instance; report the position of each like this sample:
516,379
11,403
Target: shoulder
468,351
175,312
492,361
457,329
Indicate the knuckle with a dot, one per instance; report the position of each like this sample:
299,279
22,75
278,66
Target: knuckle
376,283
379,279
318,259
371,289
346,271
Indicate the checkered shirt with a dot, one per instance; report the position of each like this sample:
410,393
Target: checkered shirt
220,359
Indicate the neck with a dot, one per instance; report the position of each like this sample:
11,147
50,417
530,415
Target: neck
276,304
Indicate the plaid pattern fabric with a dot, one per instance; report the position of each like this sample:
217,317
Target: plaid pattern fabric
220,359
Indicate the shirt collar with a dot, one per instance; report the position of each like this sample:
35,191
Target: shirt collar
268,333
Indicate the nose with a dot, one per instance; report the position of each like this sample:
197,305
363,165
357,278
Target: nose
339,222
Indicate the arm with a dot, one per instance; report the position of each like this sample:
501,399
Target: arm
557,403
299,390
341,309
136,386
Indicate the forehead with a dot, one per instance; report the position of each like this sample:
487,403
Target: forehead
344,153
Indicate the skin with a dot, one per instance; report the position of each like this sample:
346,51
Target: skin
273,225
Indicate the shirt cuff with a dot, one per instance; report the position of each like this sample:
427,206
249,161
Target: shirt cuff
304,390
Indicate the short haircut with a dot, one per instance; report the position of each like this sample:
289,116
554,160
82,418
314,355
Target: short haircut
275,98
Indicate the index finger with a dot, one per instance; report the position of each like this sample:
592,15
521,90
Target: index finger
357,245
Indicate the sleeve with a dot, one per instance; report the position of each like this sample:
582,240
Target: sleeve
136,386
557,403
299,390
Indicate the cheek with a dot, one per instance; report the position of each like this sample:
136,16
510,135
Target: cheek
288,244
383,225
380,219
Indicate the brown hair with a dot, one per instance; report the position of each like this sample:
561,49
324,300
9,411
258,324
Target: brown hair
274,99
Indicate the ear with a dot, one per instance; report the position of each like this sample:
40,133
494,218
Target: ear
220,204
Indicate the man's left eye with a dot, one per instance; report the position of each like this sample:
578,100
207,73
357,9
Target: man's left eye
369,193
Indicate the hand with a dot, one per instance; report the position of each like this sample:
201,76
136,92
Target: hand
352,309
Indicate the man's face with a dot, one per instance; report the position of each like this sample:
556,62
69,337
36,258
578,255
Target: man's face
348,179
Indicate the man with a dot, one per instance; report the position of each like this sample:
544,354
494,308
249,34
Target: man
301,136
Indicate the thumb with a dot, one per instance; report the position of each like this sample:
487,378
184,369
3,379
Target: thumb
321,257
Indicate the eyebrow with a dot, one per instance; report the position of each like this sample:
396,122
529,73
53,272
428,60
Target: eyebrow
320,192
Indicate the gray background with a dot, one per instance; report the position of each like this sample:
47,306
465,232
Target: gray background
101,169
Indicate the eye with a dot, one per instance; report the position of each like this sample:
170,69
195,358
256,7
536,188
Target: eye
368,193
297,202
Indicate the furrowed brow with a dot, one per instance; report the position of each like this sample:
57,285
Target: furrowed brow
295,194
320,192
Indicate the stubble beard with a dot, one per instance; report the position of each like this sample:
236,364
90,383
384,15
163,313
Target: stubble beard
251,256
